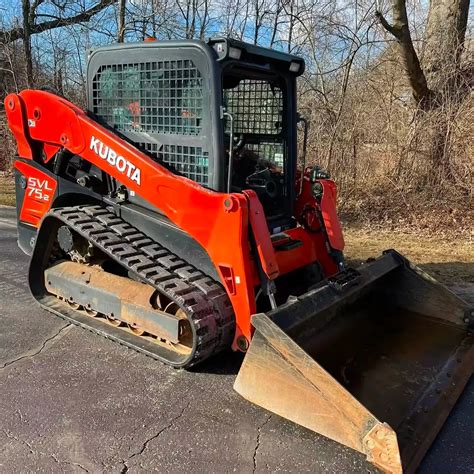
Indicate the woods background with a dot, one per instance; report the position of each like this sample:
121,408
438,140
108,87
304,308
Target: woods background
387,87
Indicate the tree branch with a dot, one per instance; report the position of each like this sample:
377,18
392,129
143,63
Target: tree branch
401,31
8,36
385,23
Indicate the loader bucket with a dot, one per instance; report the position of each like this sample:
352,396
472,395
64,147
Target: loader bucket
374,358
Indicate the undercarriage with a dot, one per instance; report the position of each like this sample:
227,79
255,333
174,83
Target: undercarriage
105,275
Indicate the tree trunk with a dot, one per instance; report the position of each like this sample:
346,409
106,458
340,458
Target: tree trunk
26,11
121,21
444,40
445,33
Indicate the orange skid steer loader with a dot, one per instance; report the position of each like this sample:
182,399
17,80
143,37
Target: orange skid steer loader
172,217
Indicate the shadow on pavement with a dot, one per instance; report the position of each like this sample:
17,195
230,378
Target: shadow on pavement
225,363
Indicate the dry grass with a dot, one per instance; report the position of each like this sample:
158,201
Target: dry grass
7,190
448,260
396,210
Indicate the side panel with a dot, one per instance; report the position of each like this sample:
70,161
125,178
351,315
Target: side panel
40,189
26,232
37,190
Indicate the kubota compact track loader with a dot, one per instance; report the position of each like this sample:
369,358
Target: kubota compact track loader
172,217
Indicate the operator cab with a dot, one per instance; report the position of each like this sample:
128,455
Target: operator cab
258,100
222,113
253,127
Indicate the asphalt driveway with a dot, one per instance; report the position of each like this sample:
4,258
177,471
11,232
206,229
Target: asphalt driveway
71,401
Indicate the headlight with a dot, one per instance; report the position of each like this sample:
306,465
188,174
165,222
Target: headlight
234,53
294,67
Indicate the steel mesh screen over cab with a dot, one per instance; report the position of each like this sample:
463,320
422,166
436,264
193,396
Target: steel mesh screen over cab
257,108
190,161
148,99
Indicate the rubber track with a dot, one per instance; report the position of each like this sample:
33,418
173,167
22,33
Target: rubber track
205,301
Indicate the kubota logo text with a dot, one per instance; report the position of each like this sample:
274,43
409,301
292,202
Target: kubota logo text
114,159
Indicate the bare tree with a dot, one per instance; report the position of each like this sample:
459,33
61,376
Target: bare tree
364,120
203,15
436,82
401,31
55,21
445,32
